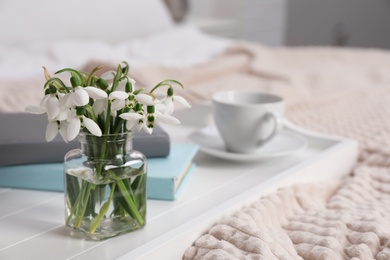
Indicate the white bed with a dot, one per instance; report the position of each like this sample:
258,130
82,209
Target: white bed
331,90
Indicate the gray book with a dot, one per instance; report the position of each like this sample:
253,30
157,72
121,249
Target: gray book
22,141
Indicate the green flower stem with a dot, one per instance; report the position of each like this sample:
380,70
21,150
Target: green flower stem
104,141
103,210
82,205
116,78
76,203
130,202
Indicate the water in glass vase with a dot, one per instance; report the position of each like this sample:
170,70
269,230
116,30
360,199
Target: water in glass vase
105,196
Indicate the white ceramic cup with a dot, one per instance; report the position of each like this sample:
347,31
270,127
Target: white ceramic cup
247,120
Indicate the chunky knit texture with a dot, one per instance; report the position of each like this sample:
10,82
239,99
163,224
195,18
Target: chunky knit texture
341,219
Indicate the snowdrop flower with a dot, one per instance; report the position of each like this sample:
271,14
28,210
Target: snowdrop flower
91,126
55,127
168,119
119,98
96,93
49,104
132,119
76,122
99,106
51,130
169,102
110,99
79,96
74,126
122,85
34,109
147,99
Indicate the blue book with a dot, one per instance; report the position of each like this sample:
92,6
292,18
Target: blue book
166,176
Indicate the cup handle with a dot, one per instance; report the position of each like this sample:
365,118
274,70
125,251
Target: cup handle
278,125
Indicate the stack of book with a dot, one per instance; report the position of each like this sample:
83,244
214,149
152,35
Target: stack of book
27,161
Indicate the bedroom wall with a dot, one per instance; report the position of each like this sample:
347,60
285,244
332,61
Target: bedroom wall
261,21
362,23
334,22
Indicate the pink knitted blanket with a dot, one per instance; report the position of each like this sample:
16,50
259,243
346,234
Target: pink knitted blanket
341,92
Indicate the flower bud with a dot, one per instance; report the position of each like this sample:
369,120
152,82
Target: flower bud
52,89
80,111
129,87
75,81
170,92
101,83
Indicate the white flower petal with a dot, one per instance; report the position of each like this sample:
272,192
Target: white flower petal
160,107
181,101
169,106
118,95
62,116
132,81
130,124
51,131
131,116
73,128
44,100
148,130
66,101
118,104
108,75
121,86
147,99
92,126
80,97
35,110
63,130
52,107
99,106
95,93
167,119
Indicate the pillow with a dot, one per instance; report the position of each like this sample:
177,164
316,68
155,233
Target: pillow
24,21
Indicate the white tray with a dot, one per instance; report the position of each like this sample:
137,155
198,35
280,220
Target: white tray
31,222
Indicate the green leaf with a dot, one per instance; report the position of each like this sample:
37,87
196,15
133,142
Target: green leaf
117,78
125,70
136,92
103,210
56,82
82,204
130,202
75,73
168,83
90,76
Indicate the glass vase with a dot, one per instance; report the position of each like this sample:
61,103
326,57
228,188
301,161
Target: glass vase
105,186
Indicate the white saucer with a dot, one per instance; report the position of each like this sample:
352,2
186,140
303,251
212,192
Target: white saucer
284,143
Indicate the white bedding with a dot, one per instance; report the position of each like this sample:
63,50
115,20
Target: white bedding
175,47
